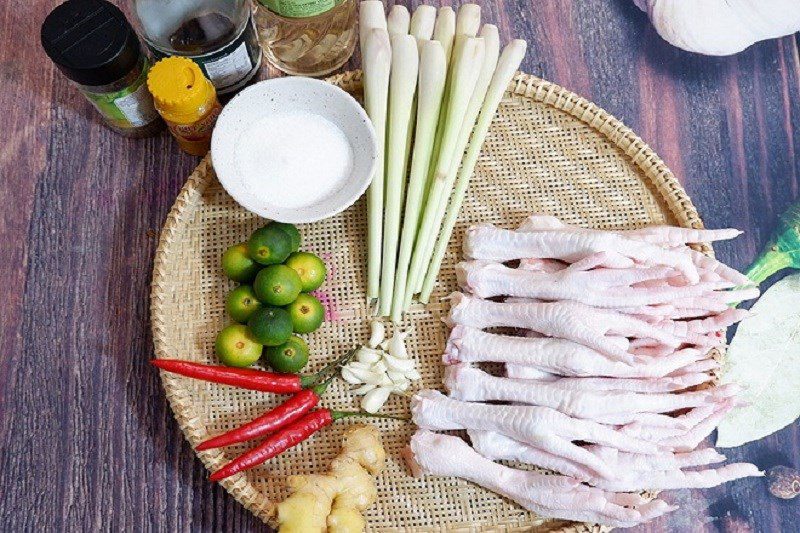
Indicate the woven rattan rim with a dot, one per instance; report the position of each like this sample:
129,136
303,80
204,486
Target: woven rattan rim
523,85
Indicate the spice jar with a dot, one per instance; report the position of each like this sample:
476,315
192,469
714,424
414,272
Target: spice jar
307,38
187,100
219,35
92,44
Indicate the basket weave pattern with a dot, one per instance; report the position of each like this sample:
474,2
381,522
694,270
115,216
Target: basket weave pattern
548,151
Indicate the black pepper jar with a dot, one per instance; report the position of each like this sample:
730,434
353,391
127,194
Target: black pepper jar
93,44
218,35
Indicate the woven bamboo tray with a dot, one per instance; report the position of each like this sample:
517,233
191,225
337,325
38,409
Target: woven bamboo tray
548,151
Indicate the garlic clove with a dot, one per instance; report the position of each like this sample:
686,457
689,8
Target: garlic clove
380,366
413,374
359,364
397,345
398,364
363,389
377,333
350,377
396,376
384,346
368,356
401,386
374,399
363,375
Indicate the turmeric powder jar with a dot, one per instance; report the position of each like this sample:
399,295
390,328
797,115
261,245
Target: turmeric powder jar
187,101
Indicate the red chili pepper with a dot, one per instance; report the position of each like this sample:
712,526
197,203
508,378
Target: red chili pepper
245,378
249,378
284,414
285,438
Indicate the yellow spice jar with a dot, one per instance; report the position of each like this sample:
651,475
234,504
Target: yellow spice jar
187,101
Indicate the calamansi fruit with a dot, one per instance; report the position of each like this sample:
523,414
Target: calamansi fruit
277,285
307,313
269,245
237,264
236,346
271,326
291,231
242,303
289,357
310,268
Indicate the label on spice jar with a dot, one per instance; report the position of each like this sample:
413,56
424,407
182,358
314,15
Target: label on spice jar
232,66
299,8
197,132
129,108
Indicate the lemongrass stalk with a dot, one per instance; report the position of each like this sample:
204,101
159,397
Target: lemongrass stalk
510,61
448,27
422,22
377,56
402,86
370,16
468,21
432,74
398,21
467,54
444,30
492,50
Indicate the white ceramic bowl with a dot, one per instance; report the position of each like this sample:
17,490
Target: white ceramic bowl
231,150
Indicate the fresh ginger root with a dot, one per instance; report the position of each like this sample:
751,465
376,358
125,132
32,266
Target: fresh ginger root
333,502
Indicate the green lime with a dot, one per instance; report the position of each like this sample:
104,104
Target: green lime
292,231
309,267
289,357
237,265
242,303
269,245
236,346
271,326
307,313
277,285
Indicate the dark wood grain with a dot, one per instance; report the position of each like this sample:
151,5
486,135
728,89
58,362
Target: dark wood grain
87,442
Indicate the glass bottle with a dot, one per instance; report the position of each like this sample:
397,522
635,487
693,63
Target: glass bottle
218,35
307,38
93,45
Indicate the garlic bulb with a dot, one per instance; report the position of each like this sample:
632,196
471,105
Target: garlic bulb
721,27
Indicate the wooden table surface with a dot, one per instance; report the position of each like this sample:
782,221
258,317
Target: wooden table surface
87,441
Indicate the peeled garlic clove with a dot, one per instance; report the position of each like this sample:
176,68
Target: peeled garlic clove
397,345
379,367
374,399
368,356
384,345
359,364
363,375
377,333
350,377
396,376
363,389
413,374
400,365
401,386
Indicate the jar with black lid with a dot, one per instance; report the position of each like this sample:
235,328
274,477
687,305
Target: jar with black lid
93,44
218,35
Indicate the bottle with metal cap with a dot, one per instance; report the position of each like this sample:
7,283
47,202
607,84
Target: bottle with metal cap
218,35
93,44
187,101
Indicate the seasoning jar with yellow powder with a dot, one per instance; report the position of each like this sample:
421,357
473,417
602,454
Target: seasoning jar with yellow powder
187,101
